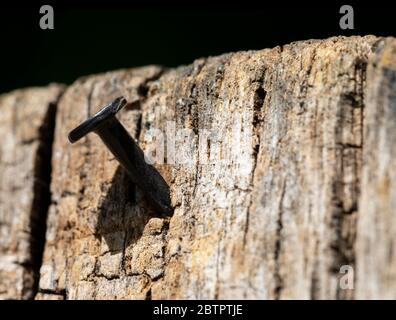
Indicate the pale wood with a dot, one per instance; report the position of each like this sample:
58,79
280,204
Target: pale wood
26,120
376,232
308,191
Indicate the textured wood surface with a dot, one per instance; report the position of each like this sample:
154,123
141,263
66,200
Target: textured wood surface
26,128
282,174
376,249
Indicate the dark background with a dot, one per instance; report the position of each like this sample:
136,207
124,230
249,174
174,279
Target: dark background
92,38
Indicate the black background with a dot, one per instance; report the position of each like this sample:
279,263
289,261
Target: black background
251,309
95,37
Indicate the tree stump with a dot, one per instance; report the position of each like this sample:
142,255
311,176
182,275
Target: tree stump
280,163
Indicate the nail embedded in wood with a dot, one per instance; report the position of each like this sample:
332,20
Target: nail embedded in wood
127,152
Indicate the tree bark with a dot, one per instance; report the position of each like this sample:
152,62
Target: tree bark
281,180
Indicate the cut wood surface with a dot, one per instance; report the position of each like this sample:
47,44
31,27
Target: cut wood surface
283,173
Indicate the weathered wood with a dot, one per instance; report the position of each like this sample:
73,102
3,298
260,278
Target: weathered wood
376,232
93,201
283,175
26,129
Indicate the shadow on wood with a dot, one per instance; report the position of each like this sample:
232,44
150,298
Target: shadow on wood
123,213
